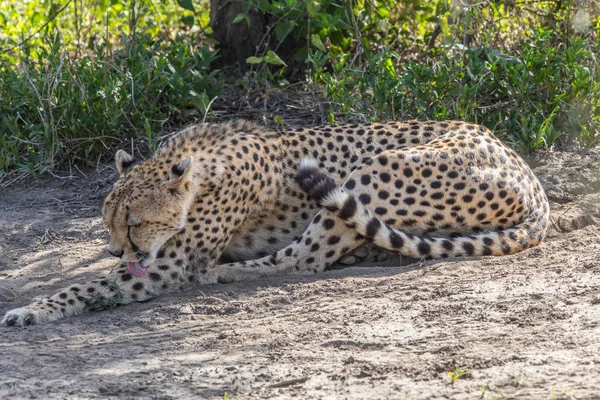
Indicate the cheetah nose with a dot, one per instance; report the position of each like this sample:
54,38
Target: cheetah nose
114,253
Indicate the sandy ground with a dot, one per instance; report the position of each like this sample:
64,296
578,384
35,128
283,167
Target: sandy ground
524,326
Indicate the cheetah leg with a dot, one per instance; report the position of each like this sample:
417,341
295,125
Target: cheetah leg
324,241
119,287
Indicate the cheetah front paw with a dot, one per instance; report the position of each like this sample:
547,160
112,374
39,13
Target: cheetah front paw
35,313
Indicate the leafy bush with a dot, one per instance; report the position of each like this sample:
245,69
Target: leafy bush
531,98
61,101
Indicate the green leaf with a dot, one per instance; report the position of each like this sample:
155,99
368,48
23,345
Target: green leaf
272,58
389,66
254,60
282,29
187,4
317,42
242,17
188,20
383,12
313,7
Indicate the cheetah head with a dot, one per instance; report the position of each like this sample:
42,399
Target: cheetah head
146,208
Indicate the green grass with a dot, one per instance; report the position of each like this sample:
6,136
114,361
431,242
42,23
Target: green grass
61,101
79,78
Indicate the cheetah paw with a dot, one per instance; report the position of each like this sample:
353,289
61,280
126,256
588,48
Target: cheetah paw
36,313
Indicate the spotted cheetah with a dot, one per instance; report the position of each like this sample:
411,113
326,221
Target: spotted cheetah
235,201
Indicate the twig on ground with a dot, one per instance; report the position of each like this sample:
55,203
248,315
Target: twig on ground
290,382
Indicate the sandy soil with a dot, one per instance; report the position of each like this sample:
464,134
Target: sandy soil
524,326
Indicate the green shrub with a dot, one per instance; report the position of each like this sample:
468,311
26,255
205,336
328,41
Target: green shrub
532,98
57,107
63,100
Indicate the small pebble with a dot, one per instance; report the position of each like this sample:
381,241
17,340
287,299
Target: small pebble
348,260
361,252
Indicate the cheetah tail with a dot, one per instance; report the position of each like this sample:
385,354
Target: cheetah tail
527,233
314,182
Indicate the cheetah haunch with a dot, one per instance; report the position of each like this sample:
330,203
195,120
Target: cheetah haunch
241,194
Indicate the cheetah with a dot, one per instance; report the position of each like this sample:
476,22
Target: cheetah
227,202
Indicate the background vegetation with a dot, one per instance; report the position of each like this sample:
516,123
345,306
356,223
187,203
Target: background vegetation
79,77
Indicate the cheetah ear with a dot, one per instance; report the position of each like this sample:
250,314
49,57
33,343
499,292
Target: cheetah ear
179,176
123,161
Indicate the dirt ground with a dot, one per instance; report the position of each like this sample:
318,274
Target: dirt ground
522,327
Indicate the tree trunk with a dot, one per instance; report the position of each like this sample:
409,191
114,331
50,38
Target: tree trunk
239,41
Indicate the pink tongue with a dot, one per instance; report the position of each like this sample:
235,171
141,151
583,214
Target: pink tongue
137,269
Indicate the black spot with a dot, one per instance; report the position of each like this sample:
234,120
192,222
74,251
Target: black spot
126,277
408,172
365,179
348,209
396,240
137,286
424,247
372,228
154,276
328,223
385,177
469,248
448,245
364,198
381,211
333,240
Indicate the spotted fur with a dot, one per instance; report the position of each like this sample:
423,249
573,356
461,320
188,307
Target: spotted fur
228,202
